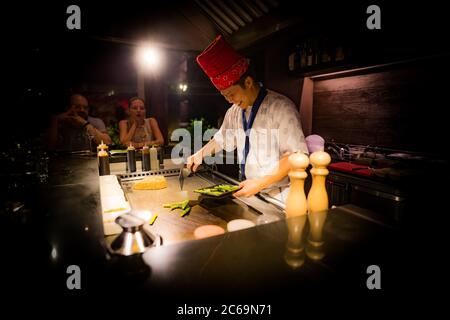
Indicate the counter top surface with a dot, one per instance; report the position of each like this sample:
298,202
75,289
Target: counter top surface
257,263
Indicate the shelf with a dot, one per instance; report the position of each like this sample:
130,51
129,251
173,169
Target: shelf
351,68
324,68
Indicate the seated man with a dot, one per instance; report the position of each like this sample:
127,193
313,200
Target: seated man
74,129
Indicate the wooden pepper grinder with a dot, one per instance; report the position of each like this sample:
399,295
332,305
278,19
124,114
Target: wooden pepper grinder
296,200
318,197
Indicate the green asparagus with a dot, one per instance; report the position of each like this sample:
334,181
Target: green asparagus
217,190
183,205
185,211
177,205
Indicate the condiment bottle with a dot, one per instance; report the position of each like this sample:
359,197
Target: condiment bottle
102,146
154,163
145,158
131,158
103,163
161,157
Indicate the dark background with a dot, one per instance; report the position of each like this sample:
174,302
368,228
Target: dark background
45,61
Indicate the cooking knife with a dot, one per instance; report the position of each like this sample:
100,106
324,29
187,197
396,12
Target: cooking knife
184,173
181,178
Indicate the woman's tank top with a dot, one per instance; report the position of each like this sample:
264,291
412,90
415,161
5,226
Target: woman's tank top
143,132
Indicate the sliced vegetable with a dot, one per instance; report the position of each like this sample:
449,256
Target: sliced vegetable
177,205
152,220
183,205
217,190
114,210
185,211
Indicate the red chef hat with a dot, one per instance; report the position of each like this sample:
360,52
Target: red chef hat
222,64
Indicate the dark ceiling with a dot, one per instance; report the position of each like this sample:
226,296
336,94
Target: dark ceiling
180,25
190,25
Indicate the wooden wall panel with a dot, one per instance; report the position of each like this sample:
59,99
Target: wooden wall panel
401,108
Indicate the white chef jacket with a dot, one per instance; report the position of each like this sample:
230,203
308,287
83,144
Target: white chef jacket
276,131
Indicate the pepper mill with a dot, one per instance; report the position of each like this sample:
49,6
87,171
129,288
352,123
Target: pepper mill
318,197
296,200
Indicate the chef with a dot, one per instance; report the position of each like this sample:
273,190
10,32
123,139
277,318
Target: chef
263,125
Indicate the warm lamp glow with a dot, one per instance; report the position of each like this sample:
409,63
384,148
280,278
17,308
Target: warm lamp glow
150,58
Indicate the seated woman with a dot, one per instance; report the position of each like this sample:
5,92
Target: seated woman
138,130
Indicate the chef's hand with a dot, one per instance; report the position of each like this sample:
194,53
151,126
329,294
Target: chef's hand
194,161
249,188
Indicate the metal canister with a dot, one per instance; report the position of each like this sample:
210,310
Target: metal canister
145,158
103,163
131,158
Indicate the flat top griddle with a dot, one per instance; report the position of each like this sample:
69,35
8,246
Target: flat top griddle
205,210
